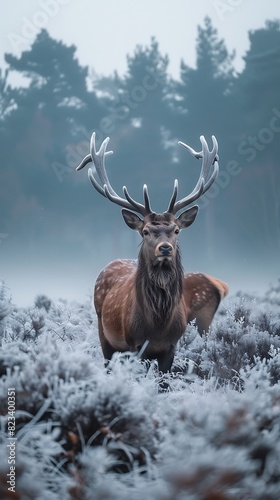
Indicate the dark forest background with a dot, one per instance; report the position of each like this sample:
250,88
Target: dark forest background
56,232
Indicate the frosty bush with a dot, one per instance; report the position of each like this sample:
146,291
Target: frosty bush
43,302
5,308
83,433
248,330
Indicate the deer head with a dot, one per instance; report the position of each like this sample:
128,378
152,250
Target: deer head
159,231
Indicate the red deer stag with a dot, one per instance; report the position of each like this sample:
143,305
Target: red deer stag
151,299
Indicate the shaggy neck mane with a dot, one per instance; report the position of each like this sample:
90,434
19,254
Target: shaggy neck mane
159,288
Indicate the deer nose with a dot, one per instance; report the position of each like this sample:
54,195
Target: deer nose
164,250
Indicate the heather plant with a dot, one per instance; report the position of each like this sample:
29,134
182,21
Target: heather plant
249,329
5,308
85,432
43,302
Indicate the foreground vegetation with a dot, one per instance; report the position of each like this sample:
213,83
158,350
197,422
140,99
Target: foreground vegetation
83,433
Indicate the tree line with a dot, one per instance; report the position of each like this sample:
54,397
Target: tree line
47,119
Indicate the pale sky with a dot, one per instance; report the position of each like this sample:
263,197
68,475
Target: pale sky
104,32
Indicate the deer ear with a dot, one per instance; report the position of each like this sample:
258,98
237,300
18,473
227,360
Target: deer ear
187,217
132,220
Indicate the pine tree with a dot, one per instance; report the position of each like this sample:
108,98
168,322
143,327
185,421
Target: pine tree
202,91
140,115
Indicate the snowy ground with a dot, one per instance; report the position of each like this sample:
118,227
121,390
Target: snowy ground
82,433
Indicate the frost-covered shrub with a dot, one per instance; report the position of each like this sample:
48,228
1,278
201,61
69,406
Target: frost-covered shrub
272,295
112,410
38,472
25,324
5,309
248,330
43,302
84,433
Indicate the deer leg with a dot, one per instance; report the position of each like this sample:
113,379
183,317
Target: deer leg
165,359
107,349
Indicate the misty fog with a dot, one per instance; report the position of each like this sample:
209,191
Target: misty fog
57,232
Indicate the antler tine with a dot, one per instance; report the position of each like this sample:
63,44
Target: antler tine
173,197
130,203
98,158
146,199
87,159
105,188
204,182
144,210
95,184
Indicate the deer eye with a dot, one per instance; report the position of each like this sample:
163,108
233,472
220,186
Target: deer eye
145,232
177,230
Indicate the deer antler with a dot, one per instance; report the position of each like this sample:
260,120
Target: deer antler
204,182
105,188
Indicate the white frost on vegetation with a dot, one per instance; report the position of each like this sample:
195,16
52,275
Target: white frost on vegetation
84,433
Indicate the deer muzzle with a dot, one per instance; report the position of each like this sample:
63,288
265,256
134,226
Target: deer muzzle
164,250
